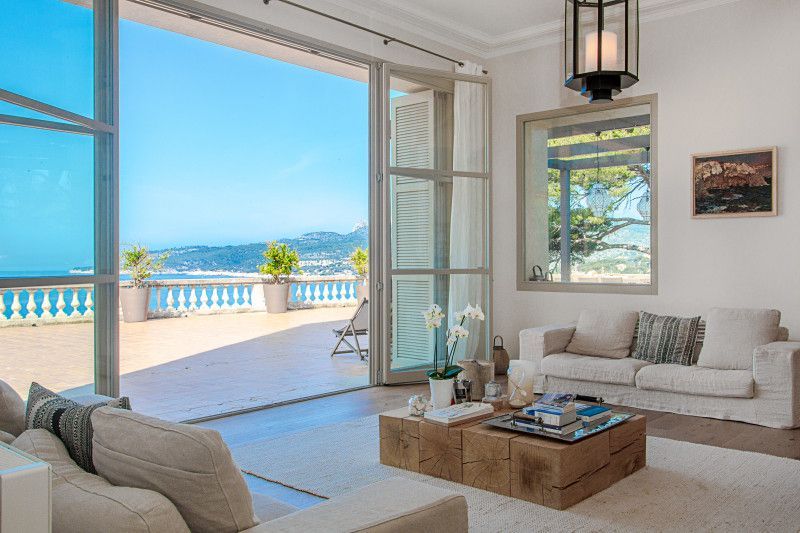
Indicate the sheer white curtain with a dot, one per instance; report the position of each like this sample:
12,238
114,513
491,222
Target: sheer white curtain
468,209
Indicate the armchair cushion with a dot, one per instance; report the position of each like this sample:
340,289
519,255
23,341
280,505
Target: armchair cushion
733,334
604,333
86,503
594,369
188,464
12,410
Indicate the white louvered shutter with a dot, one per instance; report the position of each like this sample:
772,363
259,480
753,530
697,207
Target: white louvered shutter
412,228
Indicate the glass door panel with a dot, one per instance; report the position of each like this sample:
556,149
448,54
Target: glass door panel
437,159
48,52
47,191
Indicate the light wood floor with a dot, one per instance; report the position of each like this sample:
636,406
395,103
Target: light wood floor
269,423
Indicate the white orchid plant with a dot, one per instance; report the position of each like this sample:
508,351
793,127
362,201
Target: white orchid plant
433,320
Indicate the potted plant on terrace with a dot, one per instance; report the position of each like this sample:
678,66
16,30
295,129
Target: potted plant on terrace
441,376
135,298
280,263
360,261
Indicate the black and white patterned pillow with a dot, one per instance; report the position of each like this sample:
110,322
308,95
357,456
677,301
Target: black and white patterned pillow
66,419
666,339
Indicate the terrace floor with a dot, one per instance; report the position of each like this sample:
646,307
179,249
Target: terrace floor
184,368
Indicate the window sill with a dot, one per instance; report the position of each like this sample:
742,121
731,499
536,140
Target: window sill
608,288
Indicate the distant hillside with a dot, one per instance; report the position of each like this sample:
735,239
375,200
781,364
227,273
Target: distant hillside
321,253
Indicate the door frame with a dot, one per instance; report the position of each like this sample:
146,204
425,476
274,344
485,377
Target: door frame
383,374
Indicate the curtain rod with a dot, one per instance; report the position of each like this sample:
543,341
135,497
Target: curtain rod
386,38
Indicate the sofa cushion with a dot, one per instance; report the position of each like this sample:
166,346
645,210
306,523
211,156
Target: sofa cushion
604,333
12,410
86,503
268,508
733,334
6,437
190,465
696,380
665,339
391,505
596,369
70,421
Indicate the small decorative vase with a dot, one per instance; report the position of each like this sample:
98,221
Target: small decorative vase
441,392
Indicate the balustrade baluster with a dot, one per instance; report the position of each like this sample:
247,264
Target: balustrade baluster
325,292
247,297
74,304
308,293
334,291
16,306
224,300
60,304
235,304
192,298
170,300
31,305
46,304
3,306
204,299
317,292
298,293
88,303
157,291
181,300
214,298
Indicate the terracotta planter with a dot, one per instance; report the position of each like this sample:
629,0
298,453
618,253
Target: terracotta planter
441,392
277,297
135,301
362,289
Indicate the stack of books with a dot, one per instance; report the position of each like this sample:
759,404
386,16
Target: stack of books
557,412
462,412
554,412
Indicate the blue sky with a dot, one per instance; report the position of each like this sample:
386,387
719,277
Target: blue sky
218,146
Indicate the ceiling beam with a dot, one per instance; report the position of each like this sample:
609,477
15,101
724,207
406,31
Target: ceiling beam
599,125
608,145
636,158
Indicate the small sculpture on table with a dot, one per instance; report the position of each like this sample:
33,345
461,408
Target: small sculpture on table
519,396
418,404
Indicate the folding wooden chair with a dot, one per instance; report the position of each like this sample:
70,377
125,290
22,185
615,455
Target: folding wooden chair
357,325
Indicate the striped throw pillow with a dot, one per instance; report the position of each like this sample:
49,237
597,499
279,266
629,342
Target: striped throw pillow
666,339
68,420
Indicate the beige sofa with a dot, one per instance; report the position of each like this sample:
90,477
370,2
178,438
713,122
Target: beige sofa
156,476
764,392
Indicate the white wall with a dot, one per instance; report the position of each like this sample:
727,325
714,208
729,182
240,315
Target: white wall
726,78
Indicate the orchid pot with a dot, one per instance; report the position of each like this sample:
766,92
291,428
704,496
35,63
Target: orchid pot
441,392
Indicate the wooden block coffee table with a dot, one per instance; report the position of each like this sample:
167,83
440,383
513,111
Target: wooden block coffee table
537,469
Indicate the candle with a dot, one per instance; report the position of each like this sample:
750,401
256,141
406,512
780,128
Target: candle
609,51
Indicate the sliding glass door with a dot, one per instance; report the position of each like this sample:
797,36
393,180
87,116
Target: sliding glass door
436,220
58,138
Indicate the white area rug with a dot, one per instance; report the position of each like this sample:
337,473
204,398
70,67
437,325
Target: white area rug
685,487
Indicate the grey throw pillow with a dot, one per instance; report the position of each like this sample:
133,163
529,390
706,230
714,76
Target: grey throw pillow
666,339
68,420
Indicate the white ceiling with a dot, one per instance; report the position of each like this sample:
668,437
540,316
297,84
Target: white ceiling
490,28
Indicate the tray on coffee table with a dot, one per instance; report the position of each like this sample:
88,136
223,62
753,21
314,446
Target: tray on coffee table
506,421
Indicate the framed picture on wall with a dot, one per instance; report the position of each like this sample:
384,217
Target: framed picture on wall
739,183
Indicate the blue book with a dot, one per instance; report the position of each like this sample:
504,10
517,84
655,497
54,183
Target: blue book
590,413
